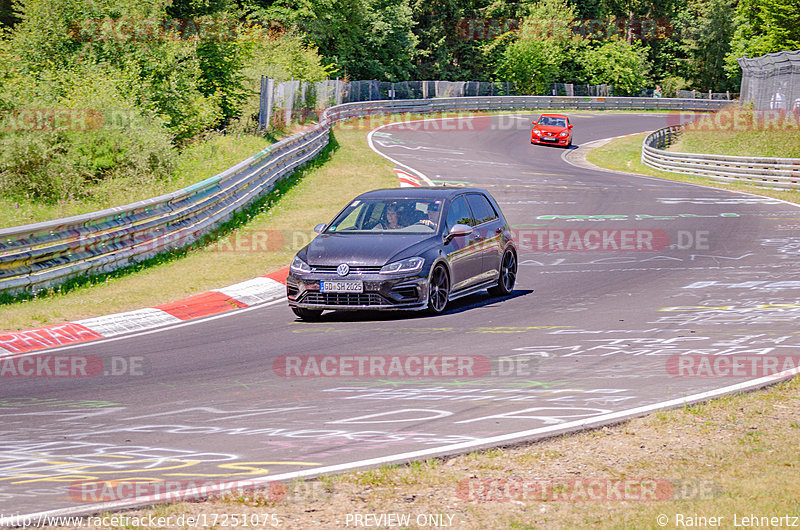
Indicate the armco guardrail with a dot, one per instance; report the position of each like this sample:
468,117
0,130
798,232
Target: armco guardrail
769,172
42,255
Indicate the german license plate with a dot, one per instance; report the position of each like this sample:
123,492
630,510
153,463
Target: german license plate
549,139
342,287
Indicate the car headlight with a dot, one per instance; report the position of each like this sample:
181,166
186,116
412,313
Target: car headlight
406,265
299,265
565,133
536,132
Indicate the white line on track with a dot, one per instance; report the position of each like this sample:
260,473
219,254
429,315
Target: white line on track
452,449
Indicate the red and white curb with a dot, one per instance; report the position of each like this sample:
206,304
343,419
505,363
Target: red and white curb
240,295
407,180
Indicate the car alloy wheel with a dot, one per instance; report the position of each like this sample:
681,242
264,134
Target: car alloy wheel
508,275
438,290
307,314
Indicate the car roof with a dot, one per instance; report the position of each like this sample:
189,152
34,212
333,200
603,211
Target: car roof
423,193
555,115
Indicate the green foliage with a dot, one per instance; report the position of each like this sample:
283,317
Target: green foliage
671,84
617,63
101,135
763,26
531,65
443,54
364,39
535,56
705,31
154,82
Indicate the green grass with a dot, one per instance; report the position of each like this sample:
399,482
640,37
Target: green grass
624,154
195,163
313,195
742,133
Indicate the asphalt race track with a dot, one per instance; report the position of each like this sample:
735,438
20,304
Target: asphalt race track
619,276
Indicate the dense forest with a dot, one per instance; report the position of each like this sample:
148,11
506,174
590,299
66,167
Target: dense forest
168,72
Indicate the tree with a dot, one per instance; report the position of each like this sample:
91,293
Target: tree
618,63
763,26
534,56
364,39
705,31
531,65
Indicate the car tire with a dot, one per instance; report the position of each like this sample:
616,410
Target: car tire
508,275
438,290
310,315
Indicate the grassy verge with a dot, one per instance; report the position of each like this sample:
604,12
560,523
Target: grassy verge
624,154
742,132
311,196
197,162
733,456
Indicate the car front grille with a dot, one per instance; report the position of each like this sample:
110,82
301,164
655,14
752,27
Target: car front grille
343,299
331,269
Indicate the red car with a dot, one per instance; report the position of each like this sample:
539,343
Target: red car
552,129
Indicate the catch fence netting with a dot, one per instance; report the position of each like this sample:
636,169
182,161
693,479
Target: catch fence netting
298,101
771,81
288,101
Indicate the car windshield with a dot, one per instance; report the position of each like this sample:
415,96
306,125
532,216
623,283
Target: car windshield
388,216
554,122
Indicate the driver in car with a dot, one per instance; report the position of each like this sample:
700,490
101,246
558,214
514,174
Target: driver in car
392,221
433,215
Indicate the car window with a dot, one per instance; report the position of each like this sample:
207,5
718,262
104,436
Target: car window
349,218
482,212
494,210
458,213
373,215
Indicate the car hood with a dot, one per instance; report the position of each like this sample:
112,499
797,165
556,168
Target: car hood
361,250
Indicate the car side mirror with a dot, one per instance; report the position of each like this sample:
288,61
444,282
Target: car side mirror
569,126
320,227
458,230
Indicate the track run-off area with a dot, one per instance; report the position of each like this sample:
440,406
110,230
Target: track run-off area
633,294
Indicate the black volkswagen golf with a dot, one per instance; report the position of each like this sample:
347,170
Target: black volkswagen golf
405,248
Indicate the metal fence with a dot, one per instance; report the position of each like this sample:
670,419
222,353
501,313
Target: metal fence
37,256
767,172
570,89
772,81
282,103
699,94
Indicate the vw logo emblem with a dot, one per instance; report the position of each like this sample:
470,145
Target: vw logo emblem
343,269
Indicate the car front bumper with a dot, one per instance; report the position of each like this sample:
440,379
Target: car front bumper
550,140
381,292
